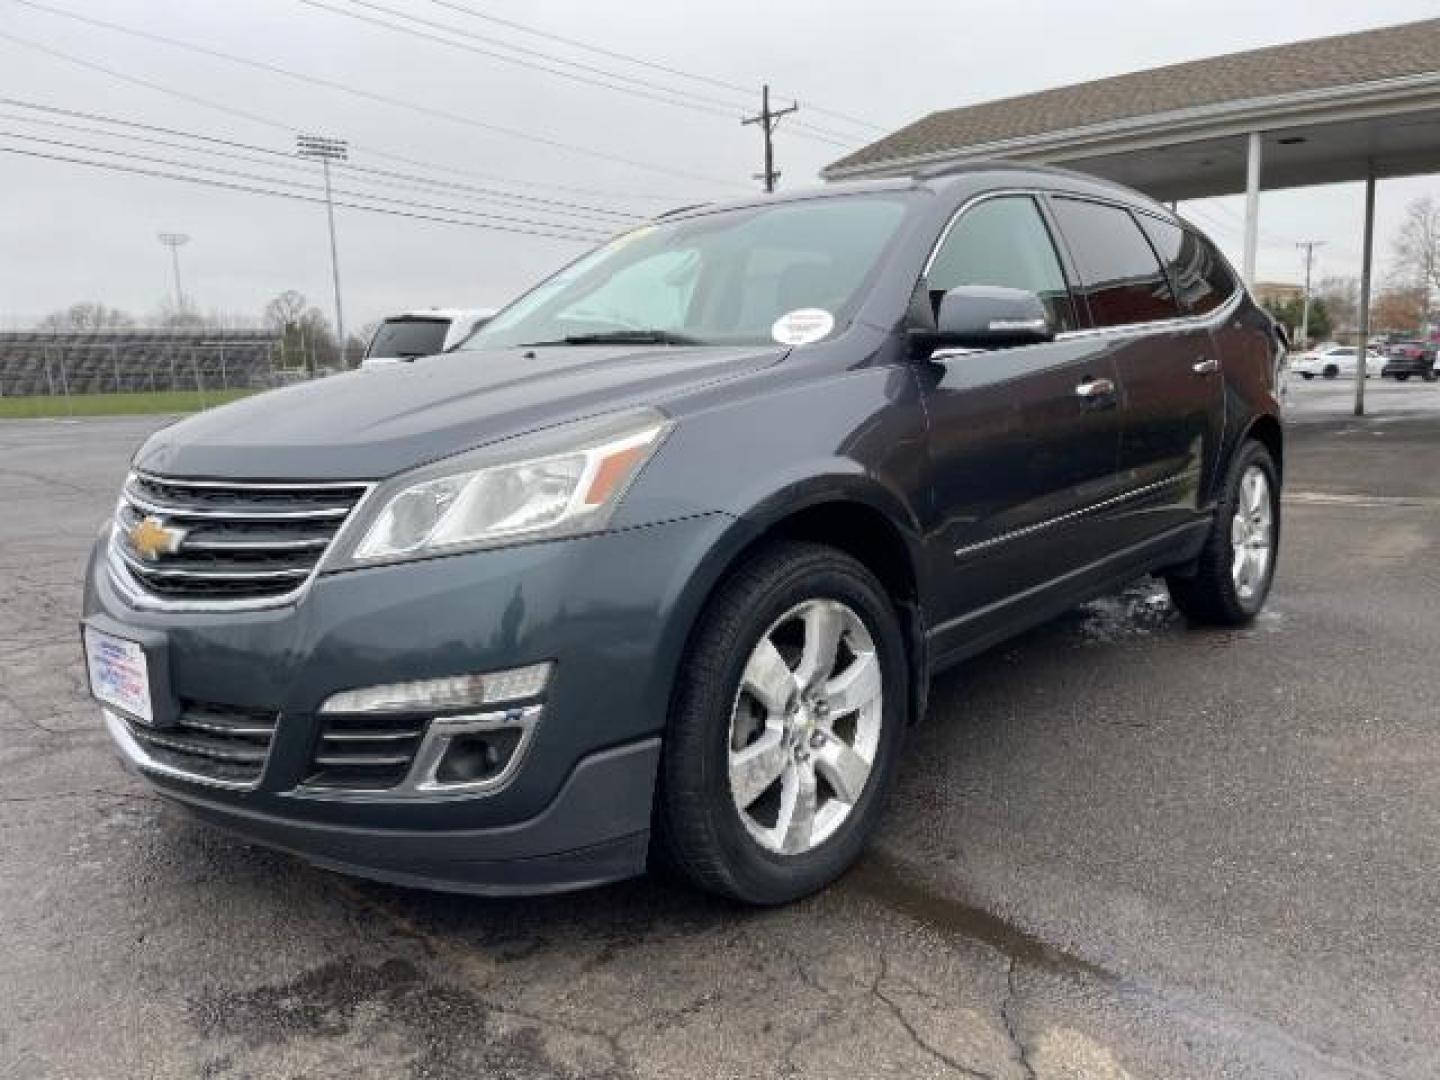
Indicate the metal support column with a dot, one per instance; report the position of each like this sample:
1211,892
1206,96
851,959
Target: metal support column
1366,258
1252,206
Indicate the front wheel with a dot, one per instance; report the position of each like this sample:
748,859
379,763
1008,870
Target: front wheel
1233,575
1331,372
1307,375
786,724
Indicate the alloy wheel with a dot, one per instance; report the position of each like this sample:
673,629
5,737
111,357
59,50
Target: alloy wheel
1252,533
805,726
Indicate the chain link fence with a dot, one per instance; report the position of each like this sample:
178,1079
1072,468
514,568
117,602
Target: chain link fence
71,364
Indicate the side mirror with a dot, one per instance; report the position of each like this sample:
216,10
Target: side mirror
990,317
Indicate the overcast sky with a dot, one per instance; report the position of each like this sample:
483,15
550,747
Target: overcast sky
70,232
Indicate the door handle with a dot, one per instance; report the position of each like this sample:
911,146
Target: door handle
1095,389
1206,366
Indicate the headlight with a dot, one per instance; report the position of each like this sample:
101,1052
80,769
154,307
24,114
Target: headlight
558,482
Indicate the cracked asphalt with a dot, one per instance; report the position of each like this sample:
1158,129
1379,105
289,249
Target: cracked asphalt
1120,847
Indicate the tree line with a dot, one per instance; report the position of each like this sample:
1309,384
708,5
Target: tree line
307,337
1402,305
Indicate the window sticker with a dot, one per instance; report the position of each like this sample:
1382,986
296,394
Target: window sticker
802,326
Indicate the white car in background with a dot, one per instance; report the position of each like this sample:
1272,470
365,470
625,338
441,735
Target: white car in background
1331,361
408,336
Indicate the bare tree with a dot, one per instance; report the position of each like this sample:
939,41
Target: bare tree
88,315
285,310
1398,309
1341,297
1417,247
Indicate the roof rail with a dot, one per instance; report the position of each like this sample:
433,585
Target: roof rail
680,210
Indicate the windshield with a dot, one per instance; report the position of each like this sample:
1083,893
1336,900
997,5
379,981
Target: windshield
408,337
790,272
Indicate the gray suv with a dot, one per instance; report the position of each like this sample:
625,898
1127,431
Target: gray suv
660,563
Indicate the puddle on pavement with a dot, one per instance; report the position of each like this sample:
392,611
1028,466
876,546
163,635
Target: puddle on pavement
1139,611
885,880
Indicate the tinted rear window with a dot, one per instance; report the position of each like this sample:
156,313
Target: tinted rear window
409,337
1196,269
1119,274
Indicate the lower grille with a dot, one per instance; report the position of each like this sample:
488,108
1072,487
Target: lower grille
217,742
365,753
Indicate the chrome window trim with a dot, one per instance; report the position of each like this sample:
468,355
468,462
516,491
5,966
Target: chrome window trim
1219,314
137,755
1040,526
139,598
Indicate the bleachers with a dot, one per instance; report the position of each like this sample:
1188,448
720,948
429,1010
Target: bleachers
132,361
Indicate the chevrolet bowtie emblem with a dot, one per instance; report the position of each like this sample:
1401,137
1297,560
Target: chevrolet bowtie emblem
151,538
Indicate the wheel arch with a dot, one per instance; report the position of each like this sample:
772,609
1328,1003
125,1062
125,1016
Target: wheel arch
852,514
1267,431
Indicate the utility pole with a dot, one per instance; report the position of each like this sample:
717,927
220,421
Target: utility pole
174,241
328,150
768,120
1309,246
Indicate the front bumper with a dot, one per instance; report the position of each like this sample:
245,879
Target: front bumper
612,611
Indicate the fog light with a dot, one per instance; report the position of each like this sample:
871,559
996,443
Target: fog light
450,692
478,756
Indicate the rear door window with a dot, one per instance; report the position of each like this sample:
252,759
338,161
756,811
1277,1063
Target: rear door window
1197,271
1003,241
1120,276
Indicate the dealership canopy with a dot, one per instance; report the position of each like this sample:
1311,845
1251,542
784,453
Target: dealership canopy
1352,107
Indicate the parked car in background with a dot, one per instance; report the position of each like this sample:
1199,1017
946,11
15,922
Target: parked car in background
427,332
660,562
1332,361
1406,358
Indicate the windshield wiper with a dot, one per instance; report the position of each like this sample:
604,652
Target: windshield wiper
622,337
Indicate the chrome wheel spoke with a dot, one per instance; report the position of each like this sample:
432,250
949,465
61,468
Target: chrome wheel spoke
755,768
843,769
824,625
796,820
768,678
855,687
796,774
1251,531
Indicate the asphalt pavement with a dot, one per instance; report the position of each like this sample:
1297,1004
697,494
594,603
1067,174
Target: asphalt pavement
1120,847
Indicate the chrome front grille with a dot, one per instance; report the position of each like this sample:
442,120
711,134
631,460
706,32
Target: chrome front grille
211,742
239,543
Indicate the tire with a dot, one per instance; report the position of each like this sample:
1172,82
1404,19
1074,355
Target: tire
1331,372
716,717
1217,594
1307,375
1401,376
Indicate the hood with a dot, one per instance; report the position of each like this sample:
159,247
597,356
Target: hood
372,423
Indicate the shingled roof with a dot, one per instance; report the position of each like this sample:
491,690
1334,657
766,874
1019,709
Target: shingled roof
1323,63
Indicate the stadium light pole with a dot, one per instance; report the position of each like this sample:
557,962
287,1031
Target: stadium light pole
174,241
327,150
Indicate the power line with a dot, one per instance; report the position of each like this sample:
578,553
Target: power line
283,160
208,182
643,89
369,95
577,232
289,129
630,58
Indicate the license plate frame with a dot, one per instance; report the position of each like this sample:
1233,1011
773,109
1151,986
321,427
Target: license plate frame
120,674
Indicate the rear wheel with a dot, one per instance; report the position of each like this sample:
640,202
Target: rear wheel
1307,375
1233,575
785,727
1331,371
